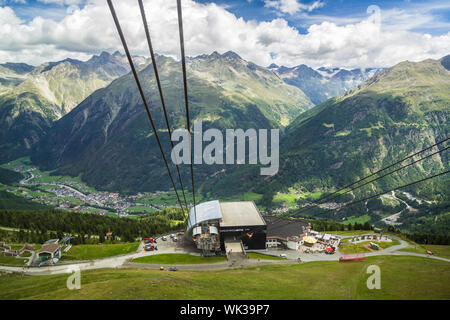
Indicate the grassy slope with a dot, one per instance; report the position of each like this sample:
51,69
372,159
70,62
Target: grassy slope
11,201
9,176
401,278
12,260
253,255
350,232
360,247
438,250
98,251
175,258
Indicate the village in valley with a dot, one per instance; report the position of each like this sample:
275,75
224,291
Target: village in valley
70,193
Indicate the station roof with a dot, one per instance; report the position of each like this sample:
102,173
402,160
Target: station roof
203,212
49,248
240,213
229,214
284,228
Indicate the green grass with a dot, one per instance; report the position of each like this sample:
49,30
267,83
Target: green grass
390,202
18,246
177,258
288,199
342,133
347,247
369,130
350,232
12,260
98,251
313,195
168,198
140,209
360,219
438,250
401,278
248,196
253,255
132,216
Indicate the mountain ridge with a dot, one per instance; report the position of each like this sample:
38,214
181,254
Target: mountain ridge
323,83
31,101
112,145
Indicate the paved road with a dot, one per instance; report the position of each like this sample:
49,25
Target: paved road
123,261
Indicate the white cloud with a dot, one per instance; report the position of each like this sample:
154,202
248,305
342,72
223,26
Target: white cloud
209,27
62,2
292,6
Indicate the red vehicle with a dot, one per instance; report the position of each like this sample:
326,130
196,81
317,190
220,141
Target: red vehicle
329,250
150,248
149,240
429,252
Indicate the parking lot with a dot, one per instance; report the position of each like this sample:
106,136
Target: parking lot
181,245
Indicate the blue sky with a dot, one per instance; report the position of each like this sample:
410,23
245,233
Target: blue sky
324,28
336,10
341,11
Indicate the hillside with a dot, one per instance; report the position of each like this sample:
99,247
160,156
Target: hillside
12,74
31,98
395,113
111,142
402,278
244,82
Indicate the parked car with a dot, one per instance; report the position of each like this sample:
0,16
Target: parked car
283,255
149,240
164,238
172,235
175,239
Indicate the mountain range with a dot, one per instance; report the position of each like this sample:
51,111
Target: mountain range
323,83
108,140
32,98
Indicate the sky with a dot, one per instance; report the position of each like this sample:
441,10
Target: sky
330,33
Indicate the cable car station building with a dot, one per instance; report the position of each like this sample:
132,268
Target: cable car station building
226,226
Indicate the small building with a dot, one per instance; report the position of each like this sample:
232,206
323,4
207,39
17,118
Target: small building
285,233
49,254
213,224
241,220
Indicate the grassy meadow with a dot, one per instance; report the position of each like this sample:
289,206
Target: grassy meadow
401,278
